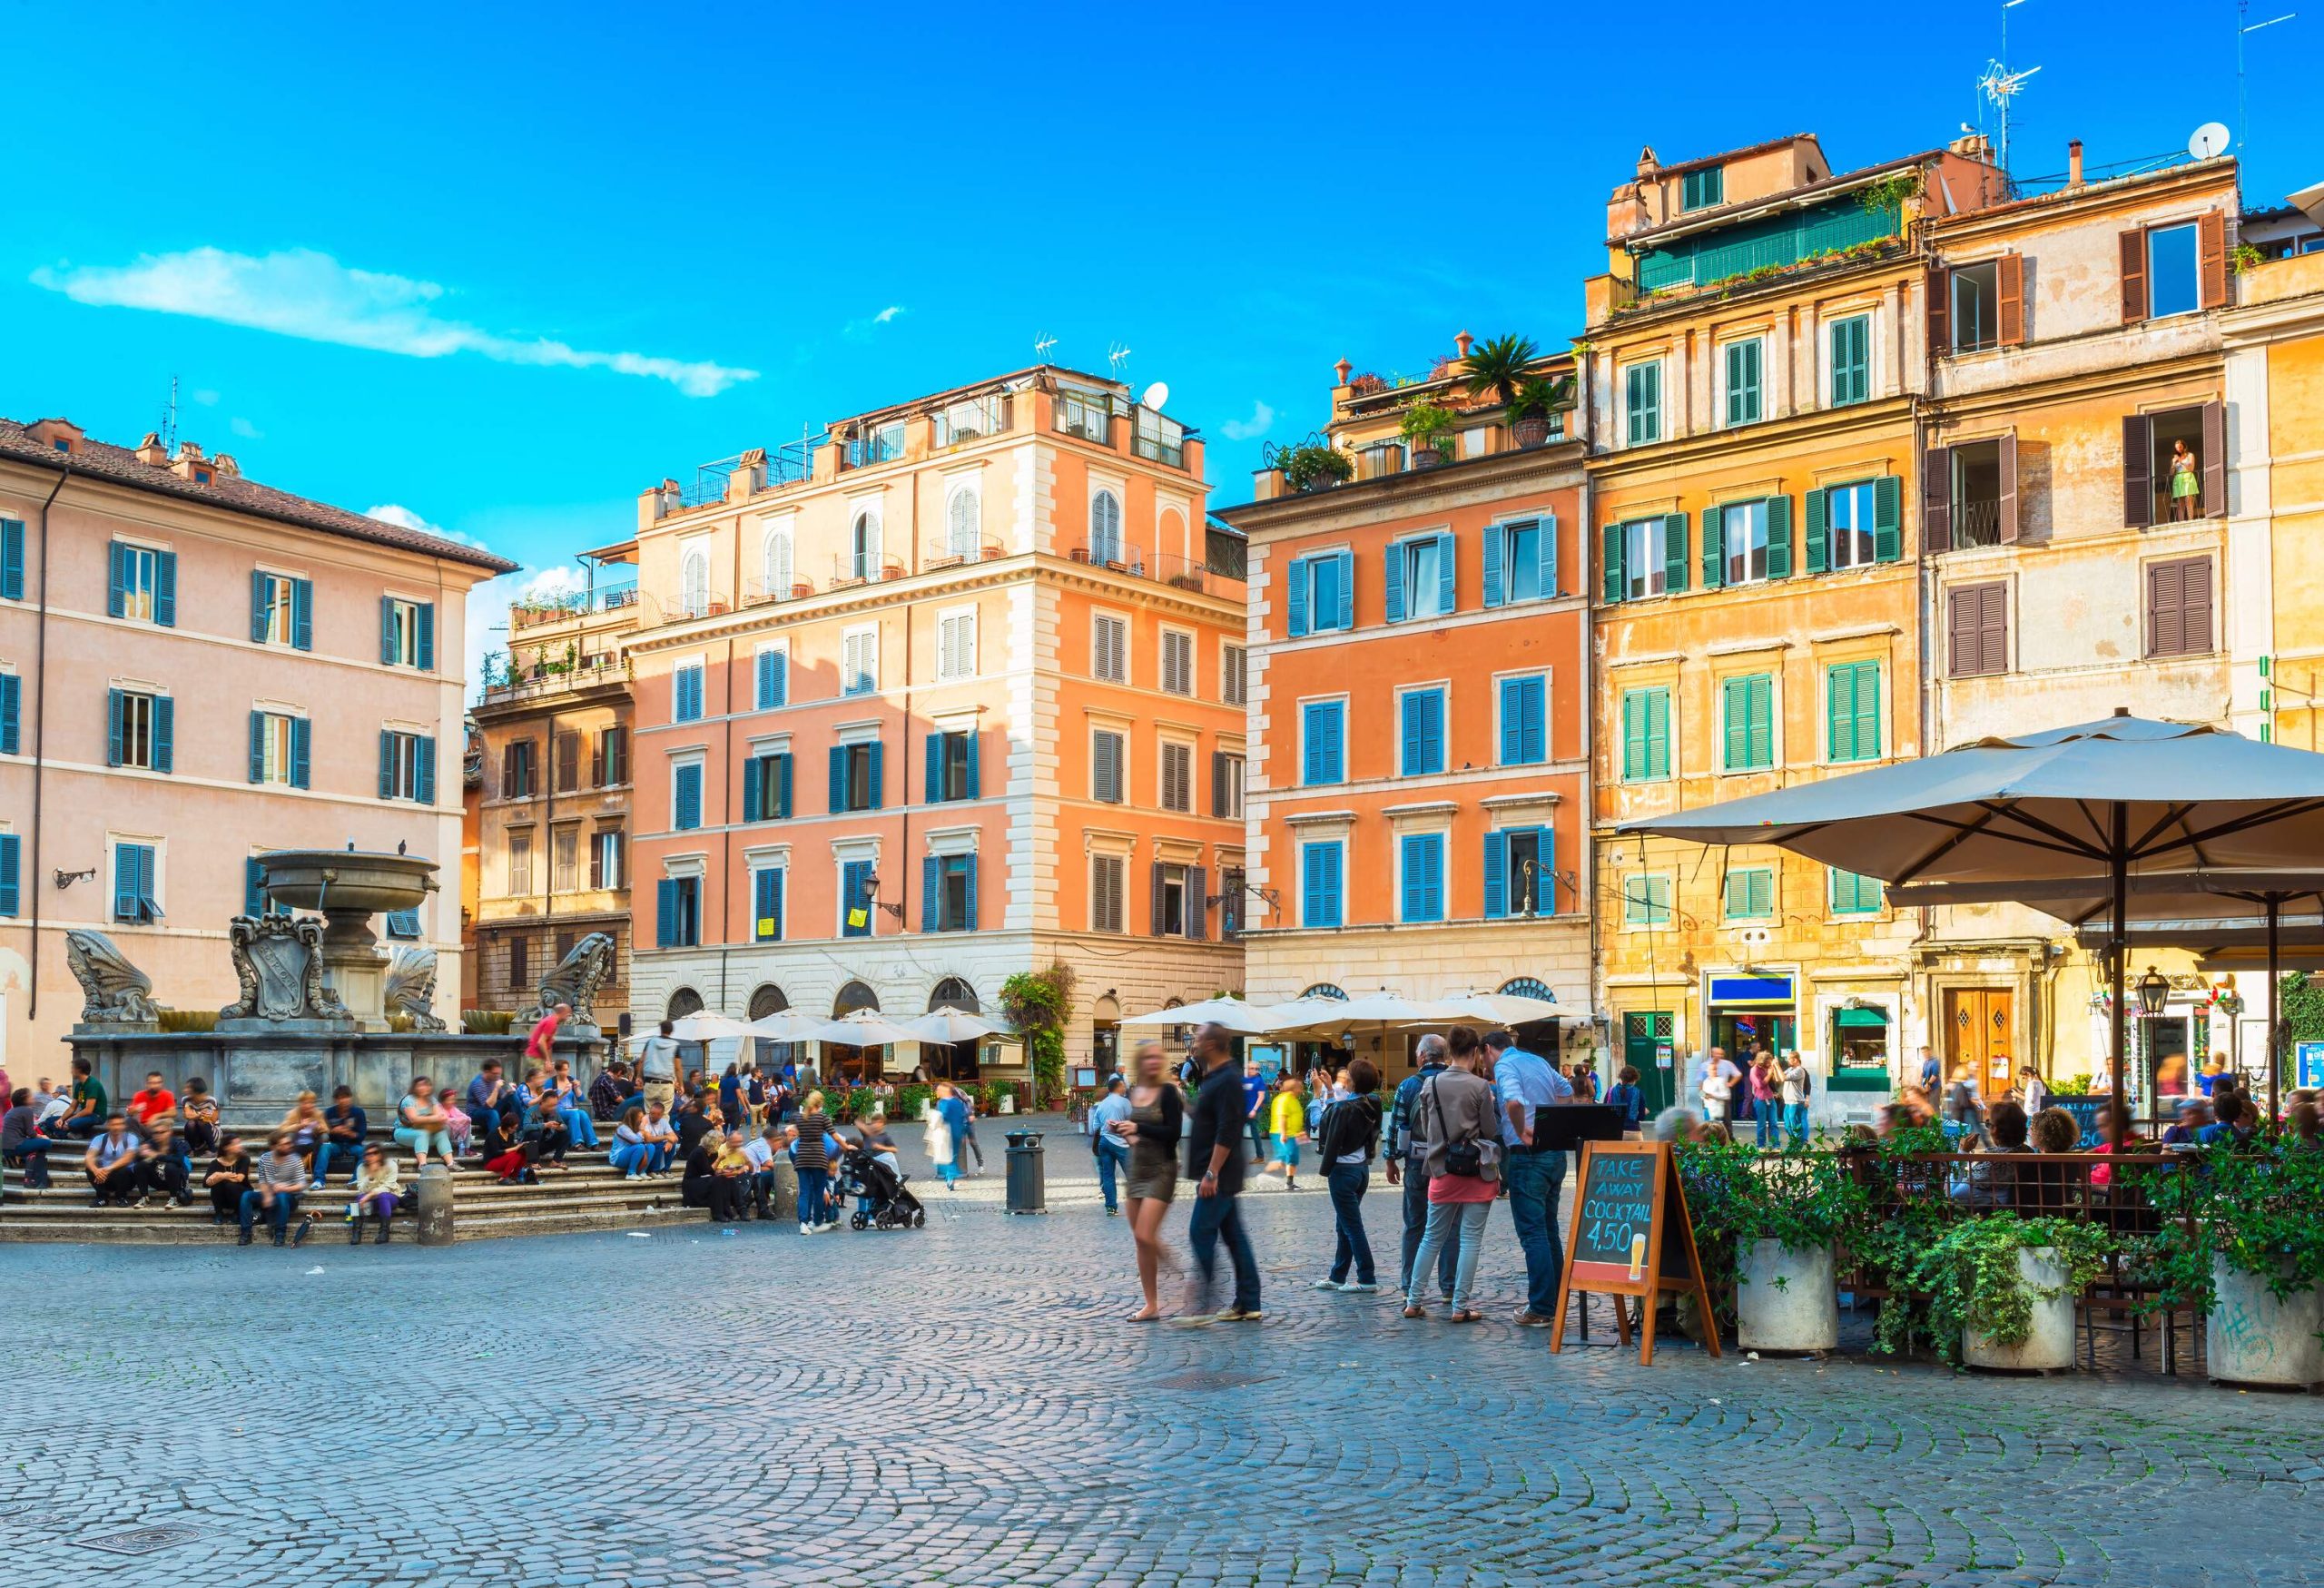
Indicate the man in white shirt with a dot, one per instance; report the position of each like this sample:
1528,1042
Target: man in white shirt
759,1184
1717,1084
1534,1175
1111,1150
657,1064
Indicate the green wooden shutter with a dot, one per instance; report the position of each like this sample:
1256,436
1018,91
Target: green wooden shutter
1779,537
1674,553
1657,733
1866,725
1609,541
783,785
1818,543
426,661
1735,721
387,764
1714,548
1887,519
116,579
12,710
425,747
1761,693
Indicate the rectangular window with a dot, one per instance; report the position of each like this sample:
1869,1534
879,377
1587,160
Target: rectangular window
1642,403
144,584
1422,855
565,859
772,678
1106,873
1646,557
1852,711
1320,591
677,916
1976,307
952,765
1177,768
956,645
1743,361
1226,774
135,886
1520,561
856,901
609,763
1233,674
1177,662
1107,755
1109,648
1854,895
1517,873
1422,732
1524,721
141,729
859,661
516,769
2179,607
1230,901
1851,521
2173,271
520,958
1700,190
278,749
950,884
1750,893
1851,377
685,796
1646,899
1171,887
1747,709
407,634
604,858
686,692
1421,578
1646,735
281,611
1976,621
766,903
1743,542
766,787
1320,884
406,766
567,756
856,776
1322,736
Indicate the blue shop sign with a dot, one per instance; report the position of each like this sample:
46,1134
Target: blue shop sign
1750,990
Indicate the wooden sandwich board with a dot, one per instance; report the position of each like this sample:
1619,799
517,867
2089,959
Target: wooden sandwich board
1632,1235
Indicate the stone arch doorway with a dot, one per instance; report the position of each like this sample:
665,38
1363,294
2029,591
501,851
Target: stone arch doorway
692,1056
952,1061
767,999
853,1066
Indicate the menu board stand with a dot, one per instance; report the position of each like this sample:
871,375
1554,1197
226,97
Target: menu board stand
1632,1235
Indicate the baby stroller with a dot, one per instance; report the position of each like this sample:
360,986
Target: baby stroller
891,1207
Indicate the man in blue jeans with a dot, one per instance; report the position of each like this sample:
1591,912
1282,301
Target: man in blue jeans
1112,1151
1214,1163
1534,1176
1255,1104
1405,1169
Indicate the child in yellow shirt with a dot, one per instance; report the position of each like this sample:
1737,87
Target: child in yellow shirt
1287,1121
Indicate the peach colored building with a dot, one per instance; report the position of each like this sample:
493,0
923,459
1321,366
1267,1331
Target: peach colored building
952,692
1419,712
194,669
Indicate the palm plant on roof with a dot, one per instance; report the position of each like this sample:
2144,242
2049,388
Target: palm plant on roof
1496,367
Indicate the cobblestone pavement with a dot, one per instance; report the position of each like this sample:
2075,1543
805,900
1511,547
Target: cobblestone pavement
961,1404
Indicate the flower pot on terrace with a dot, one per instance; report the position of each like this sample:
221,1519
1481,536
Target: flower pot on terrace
1530,433
2256,1338
1428,457
2049,1344
1787,1299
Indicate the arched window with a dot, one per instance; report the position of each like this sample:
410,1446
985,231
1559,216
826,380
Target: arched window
767,999
855,995
1105,527
776,563
684,1001
954,994
1171,539
694,584
1528,987
1324,990
863,544
964,520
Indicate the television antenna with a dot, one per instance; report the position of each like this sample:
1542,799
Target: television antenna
170,419
1117,356
1042,342
2001,86
2243,26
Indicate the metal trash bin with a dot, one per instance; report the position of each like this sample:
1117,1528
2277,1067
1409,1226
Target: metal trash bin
1027,1178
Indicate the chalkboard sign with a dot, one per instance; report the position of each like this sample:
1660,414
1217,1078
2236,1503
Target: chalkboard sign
1632,1235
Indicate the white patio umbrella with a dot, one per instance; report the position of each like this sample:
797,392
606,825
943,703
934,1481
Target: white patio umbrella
946,1025
1506,1009
1233,1014
785,1025
864,1028
1373,1012
705,1027
1297,1014
2121,797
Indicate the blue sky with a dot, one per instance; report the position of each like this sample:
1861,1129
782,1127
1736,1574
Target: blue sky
503,267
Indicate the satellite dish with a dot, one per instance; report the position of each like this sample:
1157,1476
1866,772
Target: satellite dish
1156,395
2209,139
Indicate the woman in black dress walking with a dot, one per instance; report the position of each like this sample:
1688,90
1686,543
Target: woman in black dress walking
1157,1119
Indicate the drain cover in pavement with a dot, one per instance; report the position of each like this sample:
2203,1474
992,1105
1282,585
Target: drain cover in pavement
1227,1378
143,1541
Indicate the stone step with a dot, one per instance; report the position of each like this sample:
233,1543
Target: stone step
118,1226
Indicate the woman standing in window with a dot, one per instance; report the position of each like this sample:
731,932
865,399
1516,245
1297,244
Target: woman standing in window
2186,483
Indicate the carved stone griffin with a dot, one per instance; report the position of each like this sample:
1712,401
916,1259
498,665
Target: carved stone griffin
411,987
575,980
113,991
278,963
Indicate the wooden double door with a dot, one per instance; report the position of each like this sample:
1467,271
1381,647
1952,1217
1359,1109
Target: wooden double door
1980,1036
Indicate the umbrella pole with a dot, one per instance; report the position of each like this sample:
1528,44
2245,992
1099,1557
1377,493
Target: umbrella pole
2275,1059
2119,864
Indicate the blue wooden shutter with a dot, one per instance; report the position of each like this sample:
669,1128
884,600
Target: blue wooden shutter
387,630
752,775
165,713
1448,582
1346,560
165,588
932,790
1497,864
1410,761
666,909
387,764
12,702
12,559
685,799
1510,736
839,778
1887,519
932,883
1496,540
10,902
1413,881
875,748
1295,594
302,614
258,746
113,727
425,748
253,886
116,579
975,746
1545,554
427,663
1394,565
302,742
782,784
259,587
124,881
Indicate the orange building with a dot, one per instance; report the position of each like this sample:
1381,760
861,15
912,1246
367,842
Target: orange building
954,691
1420,707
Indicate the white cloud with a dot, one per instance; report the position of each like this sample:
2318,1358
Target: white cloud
404,517
885,315
1262,419
549,583
245,429
305,293
206,398
859,329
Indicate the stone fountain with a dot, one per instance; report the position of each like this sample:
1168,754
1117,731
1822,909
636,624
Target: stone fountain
349,886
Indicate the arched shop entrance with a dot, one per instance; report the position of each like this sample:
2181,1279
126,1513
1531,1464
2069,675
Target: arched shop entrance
853,1066
683,1002
1545,1037
1327,1051
1105,1043
951,1060
767,999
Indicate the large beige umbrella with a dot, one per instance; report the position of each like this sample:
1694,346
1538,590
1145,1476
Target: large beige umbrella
1233,1014
1505,1009
705,1027
785,1025
864,1028
946,1025
1373,1012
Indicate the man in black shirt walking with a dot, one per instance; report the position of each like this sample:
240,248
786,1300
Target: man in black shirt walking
1215,1162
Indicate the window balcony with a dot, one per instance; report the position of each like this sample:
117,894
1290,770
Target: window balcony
515,677
1162,567
974,419
941,553
1087,417
610,596
683,606
759,593
848,572
1976,523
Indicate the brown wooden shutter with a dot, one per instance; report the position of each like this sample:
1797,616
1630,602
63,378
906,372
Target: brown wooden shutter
598,763
1993,627
2210,233
2008,450
2138,470
1939,292
1936,499
2009,276
2163,600
2133,277
1155,901
2195,606
2214,459
1960,631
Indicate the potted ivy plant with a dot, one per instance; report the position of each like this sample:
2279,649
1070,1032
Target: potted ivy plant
1312,466
1997,1292
1773,1219
2257,1265
1427,429
1531,411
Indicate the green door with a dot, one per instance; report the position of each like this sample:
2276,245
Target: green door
1648,1048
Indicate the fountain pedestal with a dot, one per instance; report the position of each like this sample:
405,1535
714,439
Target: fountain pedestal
350,887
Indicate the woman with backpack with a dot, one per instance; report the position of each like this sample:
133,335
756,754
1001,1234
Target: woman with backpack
1345,1140
1456,1135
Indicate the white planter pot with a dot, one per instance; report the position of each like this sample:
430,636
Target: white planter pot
1008,1105
926,1109
2050,1343
2255,1338
1787,1300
